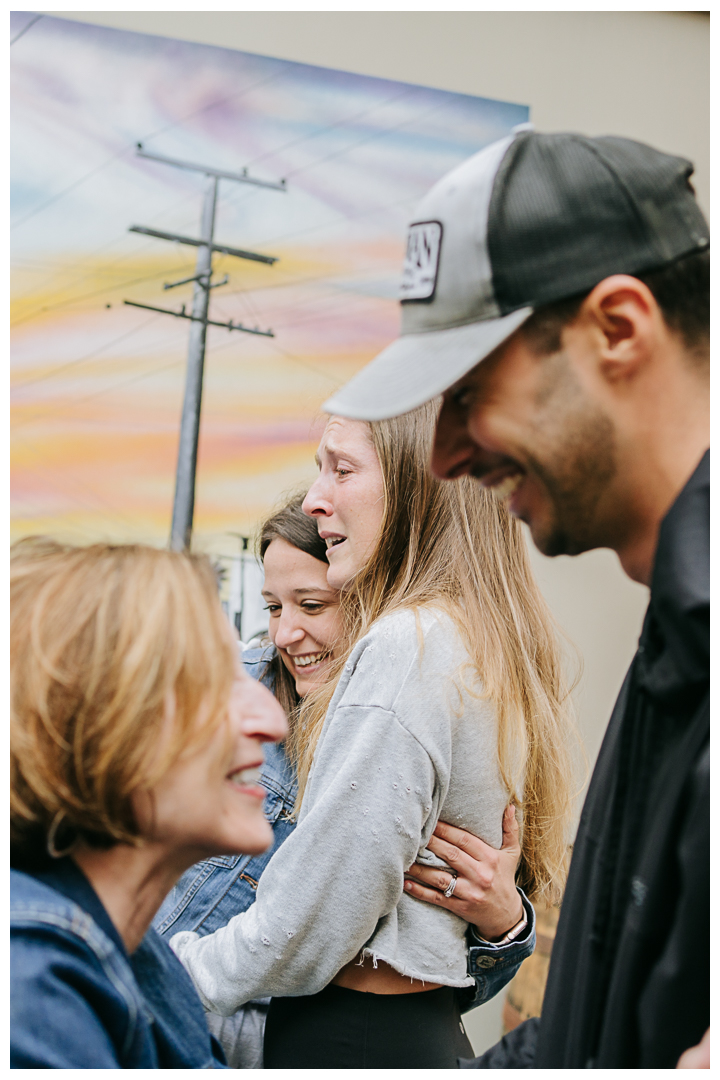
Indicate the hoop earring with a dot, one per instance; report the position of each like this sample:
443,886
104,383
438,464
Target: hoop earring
52,833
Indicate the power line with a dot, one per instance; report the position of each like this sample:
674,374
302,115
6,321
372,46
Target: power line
81,359
182,314
89,296
78,484
128,382
303,363
215,105
297,281
353,146
54,409
330,305
292,282
352,289
106,270
62,267
58,406
189,116
367,139
288,356
310,165
158,274
128,149
66,191
283,238
331,127
277,240
25,29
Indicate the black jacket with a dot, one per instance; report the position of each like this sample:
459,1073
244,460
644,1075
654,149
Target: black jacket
628,985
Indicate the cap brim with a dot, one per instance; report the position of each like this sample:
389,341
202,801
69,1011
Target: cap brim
418,367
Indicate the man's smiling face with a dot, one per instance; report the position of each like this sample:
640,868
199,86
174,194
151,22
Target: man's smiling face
528,426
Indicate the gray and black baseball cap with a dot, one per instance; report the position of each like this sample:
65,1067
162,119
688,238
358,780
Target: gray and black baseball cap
531,219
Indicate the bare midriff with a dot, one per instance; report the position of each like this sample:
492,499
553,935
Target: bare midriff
382,979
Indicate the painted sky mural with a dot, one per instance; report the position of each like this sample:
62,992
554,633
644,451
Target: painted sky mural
97,385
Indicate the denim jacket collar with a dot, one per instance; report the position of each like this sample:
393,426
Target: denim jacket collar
67,878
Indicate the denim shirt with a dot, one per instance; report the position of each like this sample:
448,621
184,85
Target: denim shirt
79,1001
210,893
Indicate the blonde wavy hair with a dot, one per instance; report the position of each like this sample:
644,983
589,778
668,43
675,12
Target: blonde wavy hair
100,637
454,545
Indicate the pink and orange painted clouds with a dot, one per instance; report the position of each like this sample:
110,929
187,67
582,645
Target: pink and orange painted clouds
96,385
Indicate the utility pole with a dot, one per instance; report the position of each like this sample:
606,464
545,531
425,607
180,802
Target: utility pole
184,502
237,584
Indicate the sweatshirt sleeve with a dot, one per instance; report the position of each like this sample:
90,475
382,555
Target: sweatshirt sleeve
368,809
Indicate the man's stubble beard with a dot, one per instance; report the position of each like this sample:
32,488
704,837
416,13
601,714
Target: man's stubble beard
576,470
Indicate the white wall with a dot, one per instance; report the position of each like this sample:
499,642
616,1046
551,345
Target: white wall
640,74
636,73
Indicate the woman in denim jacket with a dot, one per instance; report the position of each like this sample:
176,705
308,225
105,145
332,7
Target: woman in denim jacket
304,617
135,743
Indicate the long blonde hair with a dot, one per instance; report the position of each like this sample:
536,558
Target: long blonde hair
100,636
454,545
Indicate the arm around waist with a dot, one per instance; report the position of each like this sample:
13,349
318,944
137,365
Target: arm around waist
334,878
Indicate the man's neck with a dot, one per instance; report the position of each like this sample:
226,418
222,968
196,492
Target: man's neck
663,467
661,413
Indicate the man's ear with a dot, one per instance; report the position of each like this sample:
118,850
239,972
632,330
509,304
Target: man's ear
626,320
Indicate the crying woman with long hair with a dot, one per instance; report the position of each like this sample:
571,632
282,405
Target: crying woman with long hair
444,702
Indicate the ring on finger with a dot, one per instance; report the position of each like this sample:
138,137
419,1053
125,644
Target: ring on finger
451,887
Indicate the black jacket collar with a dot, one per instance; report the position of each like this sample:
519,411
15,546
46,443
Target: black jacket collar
674,655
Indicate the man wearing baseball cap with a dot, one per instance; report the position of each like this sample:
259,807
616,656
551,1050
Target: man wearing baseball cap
556,293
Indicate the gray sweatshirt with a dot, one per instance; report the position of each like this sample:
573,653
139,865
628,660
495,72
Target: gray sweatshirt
403,746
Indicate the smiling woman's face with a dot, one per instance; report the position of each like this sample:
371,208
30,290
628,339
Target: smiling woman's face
210,802
305,619
348,498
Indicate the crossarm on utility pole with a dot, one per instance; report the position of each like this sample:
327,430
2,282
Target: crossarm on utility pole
223,249
241,177
208,322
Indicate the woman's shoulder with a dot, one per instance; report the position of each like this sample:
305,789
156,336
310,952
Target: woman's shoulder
415,632
405,648
32,898
66,975
51,920
412,664
92,1001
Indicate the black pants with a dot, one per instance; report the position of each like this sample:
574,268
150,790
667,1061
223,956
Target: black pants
349,1029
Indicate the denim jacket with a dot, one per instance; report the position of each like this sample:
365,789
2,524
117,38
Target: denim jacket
210,893
79,1001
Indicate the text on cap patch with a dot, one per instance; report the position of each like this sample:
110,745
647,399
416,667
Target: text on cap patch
422,258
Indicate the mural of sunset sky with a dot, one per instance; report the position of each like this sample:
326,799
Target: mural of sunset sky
97,385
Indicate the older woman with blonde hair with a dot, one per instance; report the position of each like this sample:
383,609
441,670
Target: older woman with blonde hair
445,702
136,741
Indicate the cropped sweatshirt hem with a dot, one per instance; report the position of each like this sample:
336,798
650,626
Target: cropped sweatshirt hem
409,973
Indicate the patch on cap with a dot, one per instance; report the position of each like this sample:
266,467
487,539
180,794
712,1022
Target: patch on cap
422,258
